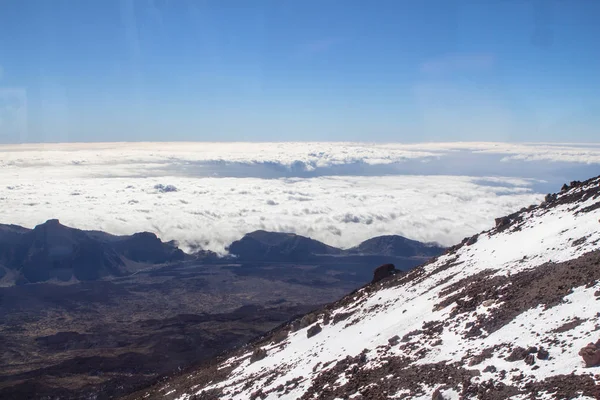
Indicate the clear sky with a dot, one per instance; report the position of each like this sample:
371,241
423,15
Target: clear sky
397,70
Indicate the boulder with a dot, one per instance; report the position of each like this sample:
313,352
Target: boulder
591,354
313,330
384,271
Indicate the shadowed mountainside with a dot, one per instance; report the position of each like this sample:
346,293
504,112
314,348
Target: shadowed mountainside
86,314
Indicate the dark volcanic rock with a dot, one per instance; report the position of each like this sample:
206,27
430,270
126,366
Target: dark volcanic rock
384,271
591,354
313,330
543,354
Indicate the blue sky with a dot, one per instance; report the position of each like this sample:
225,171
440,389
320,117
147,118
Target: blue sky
104,70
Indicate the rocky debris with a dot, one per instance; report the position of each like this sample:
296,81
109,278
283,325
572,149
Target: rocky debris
384,271
566,387
591,354
313,330
258,355
545,285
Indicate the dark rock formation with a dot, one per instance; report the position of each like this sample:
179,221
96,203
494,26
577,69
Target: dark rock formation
313,330
530,359
384,271
591,354
502,222
472,240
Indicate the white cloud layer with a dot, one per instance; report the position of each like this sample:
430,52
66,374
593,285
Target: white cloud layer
311,154
113,187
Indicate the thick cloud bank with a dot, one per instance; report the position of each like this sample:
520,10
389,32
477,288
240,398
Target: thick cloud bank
209,194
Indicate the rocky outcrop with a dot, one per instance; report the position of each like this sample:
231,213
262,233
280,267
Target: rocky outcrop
384,271
313,330
591,354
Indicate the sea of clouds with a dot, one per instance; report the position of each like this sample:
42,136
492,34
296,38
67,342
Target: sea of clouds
205,195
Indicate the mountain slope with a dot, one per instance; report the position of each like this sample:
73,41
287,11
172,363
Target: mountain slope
277,246
263,245
502,315
394,245
54,251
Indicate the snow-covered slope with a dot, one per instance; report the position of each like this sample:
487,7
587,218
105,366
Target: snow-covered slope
502,315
